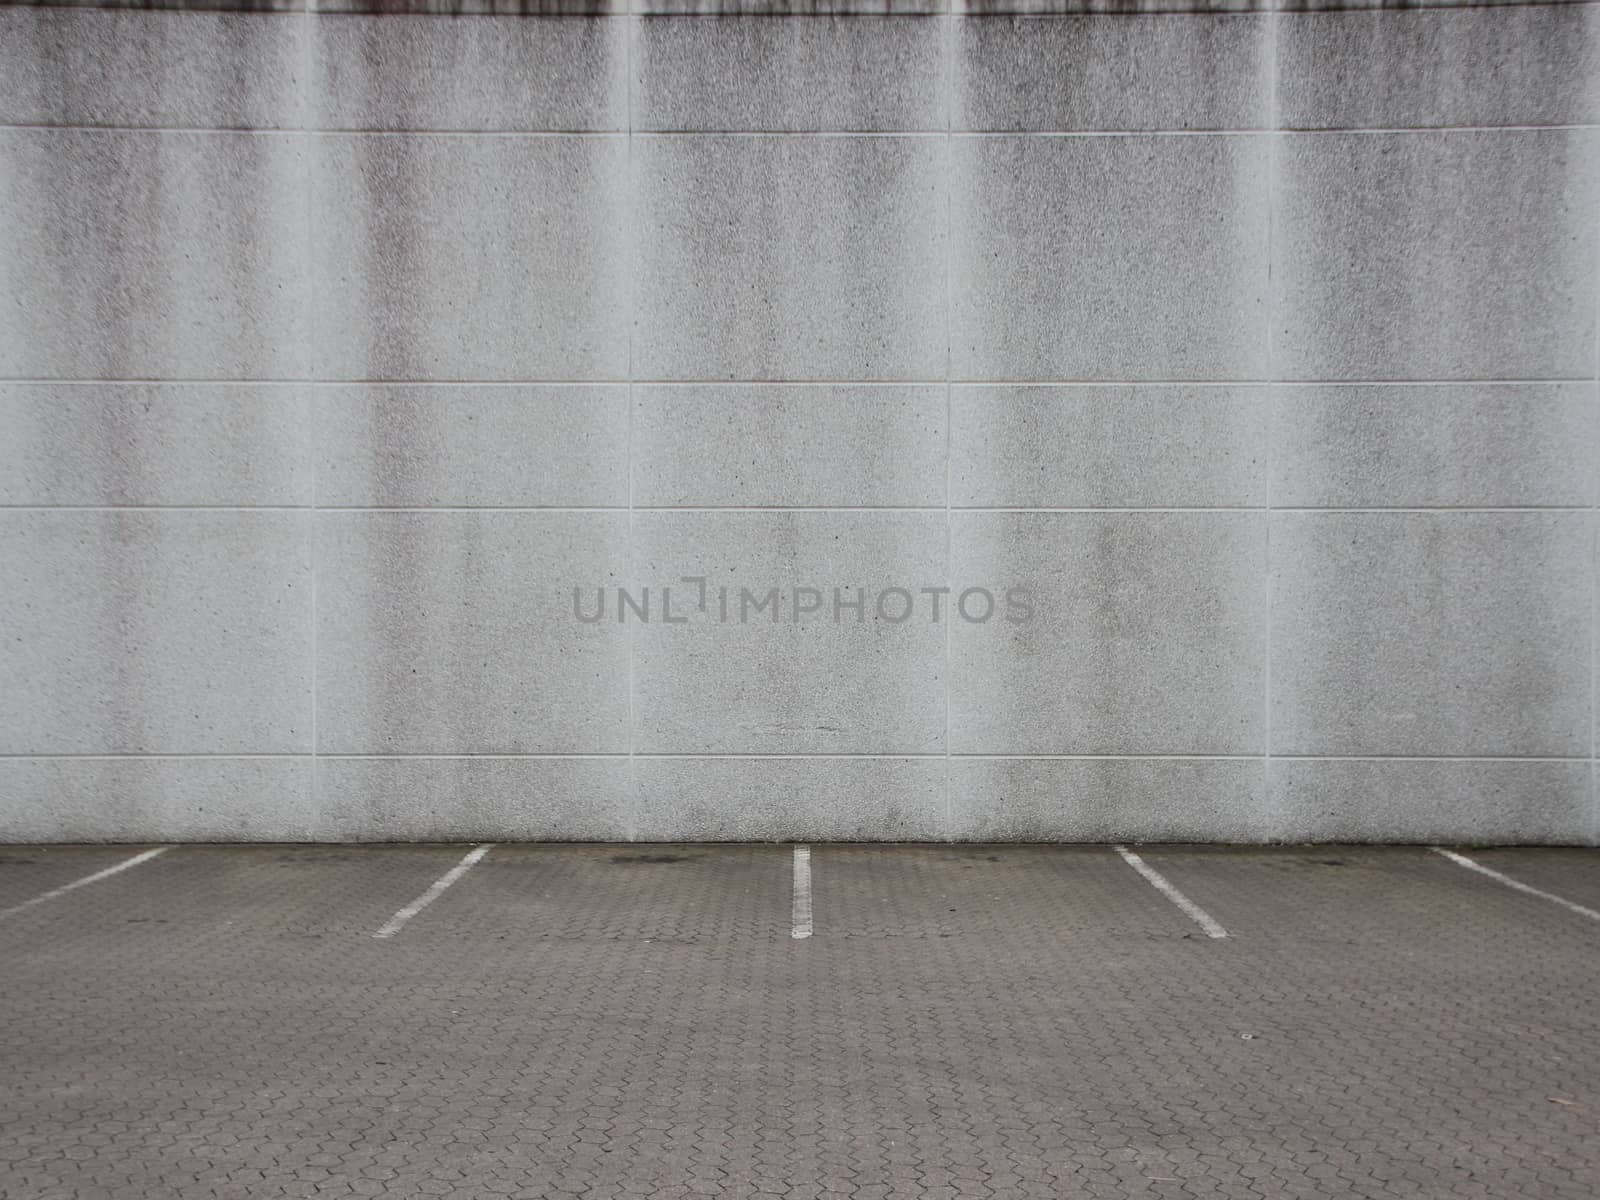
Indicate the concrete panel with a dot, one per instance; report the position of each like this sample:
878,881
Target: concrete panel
155,632
473,799
205,70
1431,633
1399,800
1180,71
155,444
1104,800
791,8
158,800
1107,447
790,799
151,255
1342,5
544,9
765,258
448,258
787,445
1112,8
759,686
189,6
444,445
1111,258
1455,255
489,73
753,73
1146,635
453,633
1398,445
1534,65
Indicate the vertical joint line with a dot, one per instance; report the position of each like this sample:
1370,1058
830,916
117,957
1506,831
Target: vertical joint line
629,31
1273,135
949,356
1594,564
309,371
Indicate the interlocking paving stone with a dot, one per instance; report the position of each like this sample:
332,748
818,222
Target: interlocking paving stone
634,1020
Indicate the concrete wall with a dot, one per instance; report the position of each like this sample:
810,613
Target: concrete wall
338,347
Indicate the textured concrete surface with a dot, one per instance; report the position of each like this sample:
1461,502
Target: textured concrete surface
1374,229
965,1022
1181,71
789,258
1137,258
155,632
835,798
429,446
757,74
451,633
453,798
1148,638
1161,798
1526,445
779,445
151,69
341,340
492,73
213,798
1091,447
1326,799
155,444
1459,66
757,685
457,258
140,255
1424,633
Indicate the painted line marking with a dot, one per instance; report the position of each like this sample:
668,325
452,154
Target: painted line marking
397,922
800,919
146,856
1461,860
1158,881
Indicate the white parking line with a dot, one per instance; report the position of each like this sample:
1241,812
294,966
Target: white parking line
397,922
1462,860
800,921
1158,881
146,856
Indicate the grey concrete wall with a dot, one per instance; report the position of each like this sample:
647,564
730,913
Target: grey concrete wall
336,347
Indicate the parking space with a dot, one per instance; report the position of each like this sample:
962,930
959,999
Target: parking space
204,901
1564,871
660,893
601,1021
1077,893
28,873
1409,897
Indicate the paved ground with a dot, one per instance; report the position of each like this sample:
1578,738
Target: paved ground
965,1021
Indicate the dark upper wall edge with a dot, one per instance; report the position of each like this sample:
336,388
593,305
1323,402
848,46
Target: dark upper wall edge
789,8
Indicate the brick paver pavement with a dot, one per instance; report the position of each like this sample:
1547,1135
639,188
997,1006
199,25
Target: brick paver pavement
636,1021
